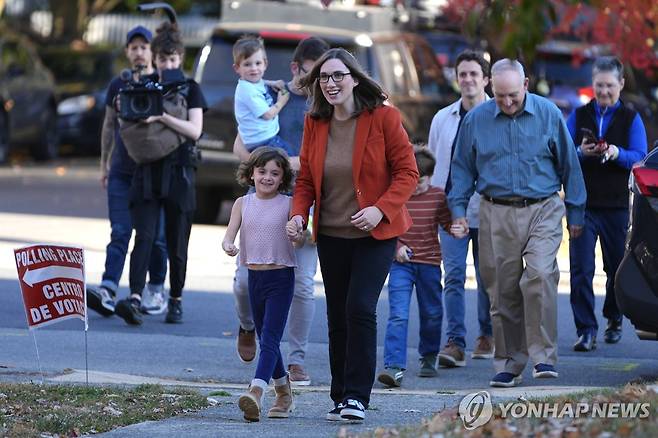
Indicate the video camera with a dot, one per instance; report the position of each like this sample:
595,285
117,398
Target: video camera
144,98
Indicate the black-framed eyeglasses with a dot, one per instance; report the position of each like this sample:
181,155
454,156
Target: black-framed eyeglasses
302,69
337,76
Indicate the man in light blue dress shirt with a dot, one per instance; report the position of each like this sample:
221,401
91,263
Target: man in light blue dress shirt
515,150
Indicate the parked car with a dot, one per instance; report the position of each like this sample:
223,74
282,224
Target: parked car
403,63
562,71
82,77
28,100
636,281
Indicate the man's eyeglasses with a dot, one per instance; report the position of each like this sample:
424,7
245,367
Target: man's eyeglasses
337,76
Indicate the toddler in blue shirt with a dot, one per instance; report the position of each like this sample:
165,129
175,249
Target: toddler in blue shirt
255,109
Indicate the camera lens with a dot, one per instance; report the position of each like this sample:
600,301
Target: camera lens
140,104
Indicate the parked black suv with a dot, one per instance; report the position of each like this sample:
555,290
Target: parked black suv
403,63
28,102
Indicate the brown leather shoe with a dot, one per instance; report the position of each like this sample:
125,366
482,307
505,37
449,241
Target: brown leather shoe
484,348
250,403
298,376
284,403
246,345
452,356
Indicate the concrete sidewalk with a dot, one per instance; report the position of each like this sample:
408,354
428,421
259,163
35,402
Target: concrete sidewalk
397,408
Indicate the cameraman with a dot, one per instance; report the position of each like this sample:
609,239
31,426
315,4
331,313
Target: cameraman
167,182
117,170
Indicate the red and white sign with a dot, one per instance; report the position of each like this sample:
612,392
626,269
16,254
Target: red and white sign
52,280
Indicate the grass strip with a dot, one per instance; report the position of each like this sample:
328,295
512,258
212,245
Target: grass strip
28,410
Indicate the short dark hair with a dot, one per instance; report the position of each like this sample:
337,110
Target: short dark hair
168,40
609,64
310,49
368,95
425,160
259,158
246,46
472,55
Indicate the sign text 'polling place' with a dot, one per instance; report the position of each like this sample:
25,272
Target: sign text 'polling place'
52,281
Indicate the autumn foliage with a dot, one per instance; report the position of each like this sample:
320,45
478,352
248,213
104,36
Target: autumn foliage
515,27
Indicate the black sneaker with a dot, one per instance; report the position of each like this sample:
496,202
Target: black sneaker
174,312
128,309
353,411
334,414
101,300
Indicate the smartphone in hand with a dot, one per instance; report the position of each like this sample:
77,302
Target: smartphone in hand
588,135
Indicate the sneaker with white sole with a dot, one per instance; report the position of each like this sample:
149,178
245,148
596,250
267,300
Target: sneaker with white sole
391,377
544,370
505,380
154,300
101,300
334,414
353,410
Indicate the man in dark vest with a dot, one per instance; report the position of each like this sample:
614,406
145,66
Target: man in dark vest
610,138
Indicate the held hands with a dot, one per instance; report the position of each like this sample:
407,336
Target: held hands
230,248
459,228
295,229
367,219
404,254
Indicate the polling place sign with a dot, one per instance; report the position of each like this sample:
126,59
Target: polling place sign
52,280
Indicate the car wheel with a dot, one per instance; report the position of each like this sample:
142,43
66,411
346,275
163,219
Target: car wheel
47,146
207,205
4,138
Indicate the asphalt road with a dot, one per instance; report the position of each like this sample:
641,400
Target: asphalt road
63,203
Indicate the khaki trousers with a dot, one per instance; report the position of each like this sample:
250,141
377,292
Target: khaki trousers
518,248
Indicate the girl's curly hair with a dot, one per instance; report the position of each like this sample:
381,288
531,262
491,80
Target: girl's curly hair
259,158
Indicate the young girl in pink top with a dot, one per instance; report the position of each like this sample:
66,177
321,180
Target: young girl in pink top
268,254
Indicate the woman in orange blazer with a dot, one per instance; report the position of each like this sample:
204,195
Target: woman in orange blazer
358,167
